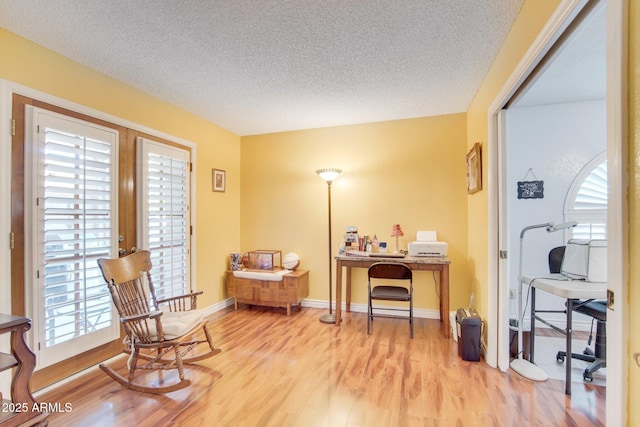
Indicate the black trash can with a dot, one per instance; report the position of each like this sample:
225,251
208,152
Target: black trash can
469,326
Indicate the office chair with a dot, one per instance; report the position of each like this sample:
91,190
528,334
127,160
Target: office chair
597,310
391,271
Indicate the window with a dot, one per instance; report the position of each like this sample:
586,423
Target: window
165,218
73,192
586,200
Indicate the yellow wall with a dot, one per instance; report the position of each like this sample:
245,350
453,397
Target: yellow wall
218,214
634,209
532,17
410,172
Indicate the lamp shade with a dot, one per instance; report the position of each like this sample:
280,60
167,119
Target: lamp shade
397,231
329,174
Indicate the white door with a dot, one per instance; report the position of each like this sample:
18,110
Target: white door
164,224
71,197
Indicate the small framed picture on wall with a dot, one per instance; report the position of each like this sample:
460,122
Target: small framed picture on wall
219,180
474,169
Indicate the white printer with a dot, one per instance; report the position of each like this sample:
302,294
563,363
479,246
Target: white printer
427,244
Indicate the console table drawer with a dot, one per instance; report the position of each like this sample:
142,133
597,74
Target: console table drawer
291,290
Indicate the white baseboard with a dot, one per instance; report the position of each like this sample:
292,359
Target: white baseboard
362,308
208,311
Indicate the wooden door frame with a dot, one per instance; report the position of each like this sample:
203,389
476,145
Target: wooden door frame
14,275
618,231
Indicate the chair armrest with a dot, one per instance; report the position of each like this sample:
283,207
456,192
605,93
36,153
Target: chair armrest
184,302
141,316
144,327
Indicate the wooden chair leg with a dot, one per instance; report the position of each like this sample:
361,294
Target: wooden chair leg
132,363
176,349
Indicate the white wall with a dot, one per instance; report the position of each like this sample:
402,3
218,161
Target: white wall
556,141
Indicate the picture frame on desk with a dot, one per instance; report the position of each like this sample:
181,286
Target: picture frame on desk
474,169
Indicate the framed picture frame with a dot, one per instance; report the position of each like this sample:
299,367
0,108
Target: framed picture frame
474,169
219,180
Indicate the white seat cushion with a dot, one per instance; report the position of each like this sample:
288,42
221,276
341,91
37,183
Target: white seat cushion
176,324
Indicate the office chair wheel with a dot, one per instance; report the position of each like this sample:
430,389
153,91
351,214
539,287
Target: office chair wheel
560,358
587,376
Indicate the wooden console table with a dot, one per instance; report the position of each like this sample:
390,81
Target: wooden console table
291,290
22,409
415,263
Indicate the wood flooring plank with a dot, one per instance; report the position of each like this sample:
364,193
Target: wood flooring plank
278,370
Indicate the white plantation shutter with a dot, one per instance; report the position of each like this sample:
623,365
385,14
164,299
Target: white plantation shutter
74,189
164,190
593,192
587,201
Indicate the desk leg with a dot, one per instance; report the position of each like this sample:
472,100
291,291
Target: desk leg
338,292
348,290
532,331
567,378
444,300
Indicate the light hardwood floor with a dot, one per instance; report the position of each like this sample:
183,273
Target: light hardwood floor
276,370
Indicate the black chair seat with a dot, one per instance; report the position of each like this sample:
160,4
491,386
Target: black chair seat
390,293
595,309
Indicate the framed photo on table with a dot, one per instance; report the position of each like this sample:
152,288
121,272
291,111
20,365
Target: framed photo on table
474,169
219,180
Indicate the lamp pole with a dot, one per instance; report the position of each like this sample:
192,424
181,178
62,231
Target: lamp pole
329,175
519,364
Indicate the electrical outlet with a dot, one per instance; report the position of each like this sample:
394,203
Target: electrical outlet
512,294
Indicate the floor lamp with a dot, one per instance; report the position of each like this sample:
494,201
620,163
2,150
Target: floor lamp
520,364
328,175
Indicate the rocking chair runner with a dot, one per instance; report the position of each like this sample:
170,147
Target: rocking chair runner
157,333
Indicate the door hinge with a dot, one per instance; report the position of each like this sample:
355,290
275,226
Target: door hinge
502,254
13,127
191,230
190,166
12,240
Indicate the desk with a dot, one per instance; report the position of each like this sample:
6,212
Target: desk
572,291
415,263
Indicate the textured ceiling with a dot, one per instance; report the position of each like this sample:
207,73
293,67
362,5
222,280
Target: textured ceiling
578,70
274,65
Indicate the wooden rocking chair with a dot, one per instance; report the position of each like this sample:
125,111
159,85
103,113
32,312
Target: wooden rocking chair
164,336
